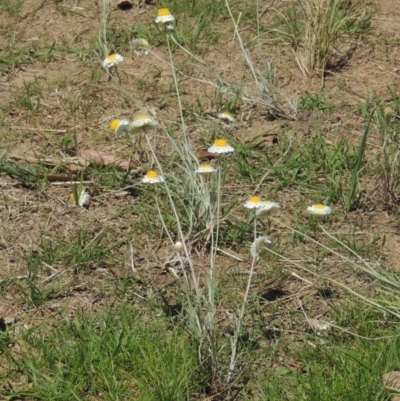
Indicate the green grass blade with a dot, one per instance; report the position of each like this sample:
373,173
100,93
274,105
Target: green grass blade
357,167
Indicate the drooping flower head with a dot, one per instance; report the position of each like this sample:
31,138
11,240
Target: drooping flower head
225,115
206,169
119,126
143,122
221,145
319,209
267,208
152,177
83,198
254,202
140,47
164,16
259,248
112,59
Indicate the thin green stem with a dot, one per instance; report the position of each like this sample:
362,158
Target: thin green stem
177,92
240,319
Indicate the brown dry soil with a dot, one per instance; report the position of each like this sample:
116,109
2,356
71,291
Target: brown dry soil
76,98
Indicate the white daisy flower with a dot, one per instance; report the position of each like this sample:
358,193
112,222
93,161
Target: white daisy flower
140,47
259,248
112,59
267,208
221,146
152,177
319,209
83,198
143,122
164,16
254,202
225,115
205,169
119,126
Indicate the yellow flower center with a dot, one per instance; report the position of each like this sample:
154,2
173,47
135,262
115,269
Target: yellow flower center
162,12
140,116
319,206
205,165
111,57
255,198
114,124
152,174
220,142
145,42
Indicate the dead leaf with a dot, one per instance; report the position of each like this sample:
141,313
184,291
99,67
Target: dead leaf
86,157
205,154
56,177
106,159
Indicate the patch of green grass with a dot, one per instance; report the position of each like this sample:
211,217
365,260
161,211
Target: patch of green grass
23,174
145,220
367,248
249,161
29,95
315,168
317,30
314,101
109,177
85,249
385,121
190,33
234,232
12,8
196,26
12,57
194,110
207,9
48,53
110,356
191,30
119,39
353,198
337,366
34,293
286,26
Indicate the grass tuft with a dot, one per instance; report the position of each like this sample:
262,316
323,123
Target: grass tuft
108,356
